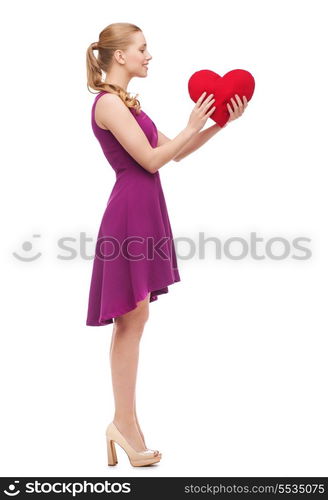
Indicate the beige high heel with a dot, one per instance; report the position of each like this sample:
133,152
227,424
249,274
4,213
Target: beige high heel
137,458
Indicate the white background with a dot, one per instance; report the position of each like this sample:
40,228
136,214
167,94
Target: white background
232,376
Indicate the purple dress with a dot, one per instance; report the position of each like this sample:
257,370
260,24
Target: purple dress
135,251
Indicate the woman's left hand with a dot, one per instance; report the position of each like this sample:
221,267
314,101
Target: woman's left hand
238,108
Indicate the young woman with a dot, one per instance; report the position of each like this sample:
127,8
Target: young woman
135,259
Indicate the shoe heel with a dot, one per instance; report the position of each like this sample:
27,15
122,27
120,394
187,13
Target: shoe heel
111,452
137,458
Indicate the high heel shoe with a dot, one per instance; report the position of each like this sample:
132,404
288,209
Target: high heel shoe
137,458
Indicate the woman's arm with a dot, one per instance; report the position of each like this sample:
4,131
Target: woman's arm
203,136
197,141
117,118
162,139
194,143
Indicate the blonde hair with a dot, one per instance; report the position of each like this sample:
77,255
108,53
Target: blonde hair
113,37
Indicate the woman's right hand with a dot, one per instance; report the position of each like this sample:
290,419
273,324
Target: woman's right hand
199,114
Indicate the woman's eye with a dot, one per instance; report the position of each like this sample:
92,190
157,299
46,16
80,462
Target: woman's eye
142,51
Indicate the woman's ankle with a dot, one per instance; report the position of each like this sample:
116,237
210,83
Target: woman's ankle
125,421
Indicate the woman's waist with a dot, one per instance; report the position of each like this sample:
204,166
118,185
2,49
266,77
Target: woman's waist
135,176
132,186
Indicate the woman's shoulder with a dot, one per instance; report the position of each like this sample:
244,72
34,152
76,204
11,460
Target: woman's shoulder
107,97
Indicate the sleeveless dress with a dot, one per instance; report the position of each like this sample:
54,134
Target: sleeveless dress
135,251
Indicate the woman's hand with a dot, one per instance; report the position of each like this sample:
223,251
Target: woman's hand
200,113
238,108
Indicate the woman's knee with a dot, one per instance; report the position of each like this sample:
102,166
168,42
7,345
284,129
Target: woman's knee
135,319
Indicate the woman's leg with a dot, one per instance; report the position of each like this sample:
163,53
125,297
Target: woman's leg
135,410
124,356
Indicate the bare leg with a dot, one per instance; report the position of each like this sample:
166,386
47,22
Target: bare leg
135,411
124,357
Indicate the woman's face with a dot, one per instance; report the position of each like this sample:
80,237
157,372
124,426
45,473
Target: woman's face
137,55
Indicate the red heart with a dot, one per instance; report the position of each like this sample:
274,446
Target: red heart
237,81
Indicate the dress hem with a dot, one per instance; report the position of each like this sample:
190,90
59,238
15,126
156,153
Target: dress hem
162,289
